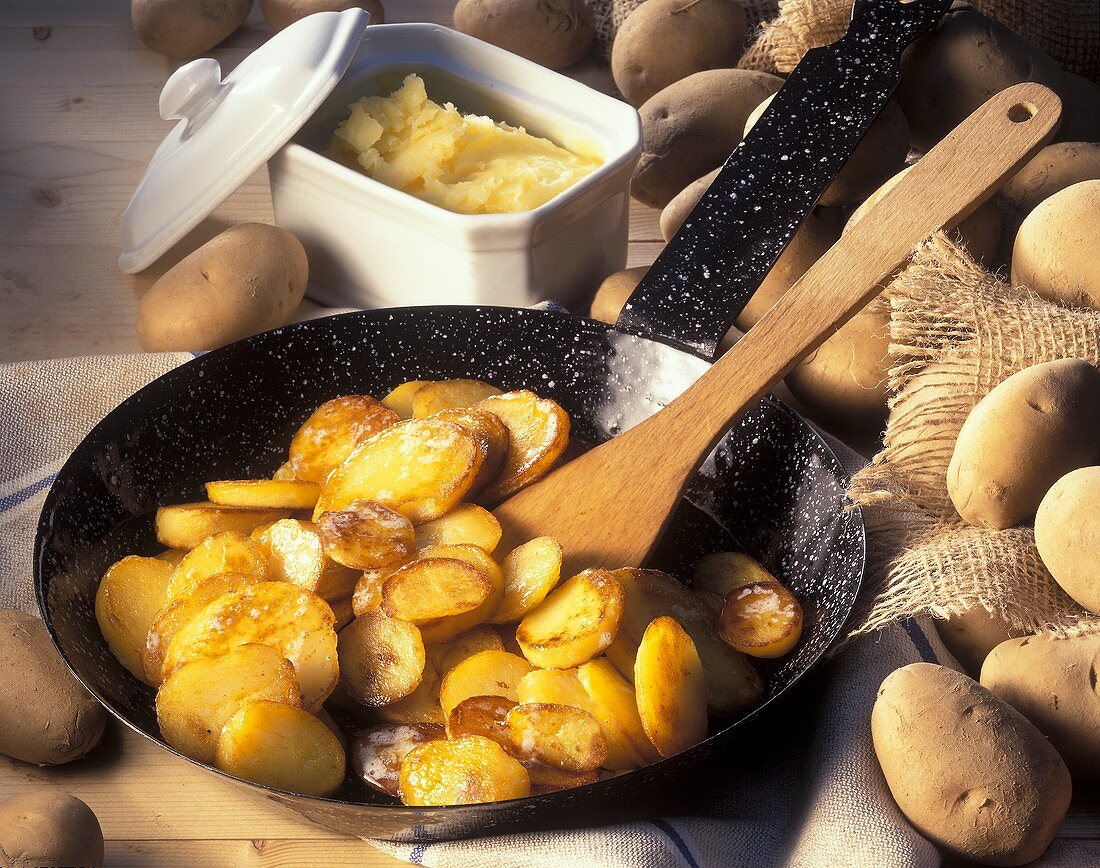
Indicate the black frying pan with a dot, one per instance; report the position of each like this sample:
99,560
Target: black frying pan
772,487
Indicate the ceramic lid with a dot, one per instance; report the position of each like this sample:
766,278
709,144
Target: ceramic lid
228,129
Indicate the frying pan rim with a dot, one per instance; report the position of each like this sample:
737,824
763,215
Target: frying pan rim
42,534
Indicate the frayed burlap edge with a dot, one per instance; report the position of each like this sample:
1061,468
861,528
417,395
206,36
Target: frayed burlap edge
799,26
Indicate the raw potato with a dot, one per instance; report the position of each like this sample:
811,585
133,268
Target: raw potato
967,770
530,572
555,33
1054,168
448,655
721,572
281,746
186,28
614,291
441,395
49,827
670,688
1067,534
492,438
691,127
466,524
560,736
264,493
663,41
732,683
487,673
432,588
419,707
130,595
400,398
381,658
486,716
366,536
282,13
972,635
295,622
377,753
1058,245
464,771
295,553
1028,432
228,552
421,468
185,525
616,708
577,622
538,431
1052,682
333,430
197,699
761,619
248,279
47,717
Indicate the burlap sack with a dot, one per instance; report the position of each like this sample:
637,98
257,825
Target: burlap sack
956,332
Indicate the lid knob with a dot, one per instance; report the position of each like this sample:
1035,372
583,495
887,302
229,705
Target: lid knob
191,88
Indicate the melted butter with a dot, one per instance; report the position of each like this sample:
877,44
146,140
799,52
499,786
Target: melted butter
465,163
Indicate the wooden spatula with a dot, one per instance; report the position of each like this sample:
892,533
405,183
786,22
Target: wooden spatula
610,506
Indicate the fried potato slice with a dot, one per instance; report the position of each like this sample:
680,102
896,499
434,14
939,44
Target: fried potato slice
367,596
466,524
420,706
670,688
575,623
284,472
464,771
198,698
295,622
178,612
447,655
366,535
377,753
333,431
445,629
185,525
227,552
281,746
343,613
507,634
434,397
563,687
127,600
762,619
558,735
421,468
733,685
433,588
711,600
721,572
492,436
538,433
616,707
550,779
172,556
486,716
400,398
487,673
264,493
381,658
295,553
530,572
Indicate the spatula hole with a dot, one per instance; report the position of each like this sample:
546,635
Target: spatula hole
1022,111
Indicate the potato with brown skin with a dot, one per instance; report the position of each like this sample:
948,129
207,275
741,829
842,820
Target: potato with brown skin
1021,438
1054,168
1052,682
971,773
663,41
282,13
691,127
49,827
47,717
1058,246
972,635
186,28
555,33
377,753
1067,534
248,279
613,293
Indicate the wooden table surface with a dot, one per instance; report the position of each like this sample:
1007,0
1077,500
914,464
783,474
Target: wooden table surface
78,122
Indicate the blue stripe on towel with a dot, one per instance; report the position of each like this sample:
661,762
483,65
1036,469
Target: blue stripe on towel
15,498
920,641
677,841
416,854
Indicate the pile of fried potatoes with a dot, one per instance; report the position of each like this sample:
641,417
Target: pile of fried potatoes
364,576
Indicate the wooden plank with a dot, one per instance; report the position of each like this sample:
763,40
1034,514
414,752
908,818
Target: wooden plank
246,854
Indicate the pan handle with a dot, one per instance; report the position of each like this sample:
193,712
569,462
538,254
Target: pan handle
728,243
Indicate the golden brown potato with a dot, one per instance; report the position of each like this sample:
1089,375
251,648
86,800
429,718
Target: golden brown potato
343,612
615,706
295,553
761,619
367,595
284,473
1053,169
670,688
366,535
550,779
381,658
530,572
185,525
295,622
129,596
49,827
613,293
332,431
435,397
445,629
558,735
228,552
492,437
264,493
421,468
577,622
400,398
1067,534
377,753
721,572
433,588
466,524
486,716
448,655
538,431
197,699
464,771
487,673
281,746
422,706
553,33
282,13
171,556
